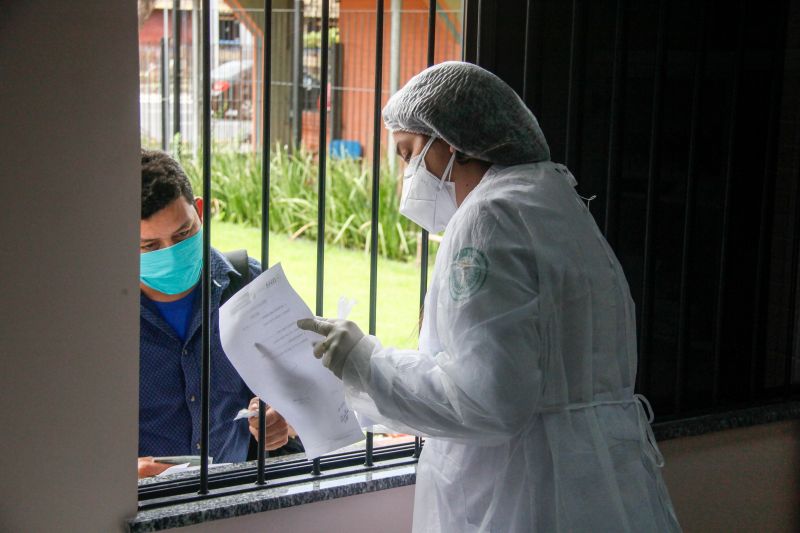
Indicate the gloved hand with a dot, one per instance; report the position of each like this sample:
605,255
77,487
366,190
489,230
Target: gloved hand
341,337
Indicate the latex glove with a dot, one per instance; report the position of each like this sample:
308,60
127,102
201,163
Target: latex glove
341,336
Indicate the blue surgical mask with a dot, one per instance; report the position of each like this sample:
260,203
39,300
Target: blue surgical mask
175,269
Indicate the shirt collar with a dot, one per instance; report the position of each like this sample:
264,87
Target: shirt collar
221,269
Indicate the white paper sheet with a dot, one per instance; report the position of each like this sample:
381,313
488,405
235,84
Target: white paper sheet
245,413
187,467
259,333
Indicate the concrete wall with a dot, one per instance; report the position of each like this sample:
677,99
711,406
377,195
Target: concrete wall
69,211
739,480
388,511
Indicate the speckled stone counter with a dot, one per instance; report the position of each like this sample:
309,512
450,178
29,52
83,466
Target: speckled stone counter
750,416
268,499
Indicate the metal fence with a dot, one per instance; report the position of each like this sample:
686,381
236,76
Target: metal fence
236,78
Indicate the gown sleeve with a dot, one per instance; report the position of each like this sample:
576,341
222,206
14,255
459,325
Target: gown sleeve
486,381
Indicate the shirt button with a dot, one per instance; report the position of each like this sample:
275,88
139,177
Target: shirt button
185,351
191,399
198,445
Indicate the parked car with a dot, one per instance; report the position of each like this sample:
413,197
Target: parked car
232,90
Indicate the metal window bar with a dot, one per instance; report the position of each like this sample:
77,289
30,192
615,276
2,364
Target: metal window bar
297,73
266,50
376,178
723,253
791,329
164,94
794,270
688,214
205,373
767,201
571,144
176,67
423,278
526,56
532,55
652,193
532,89
615,123
322,174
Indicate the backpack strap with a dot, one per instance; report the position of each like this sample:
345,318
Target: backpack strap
237,258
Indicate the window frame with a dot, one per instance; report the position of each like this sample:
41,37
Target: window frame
259,474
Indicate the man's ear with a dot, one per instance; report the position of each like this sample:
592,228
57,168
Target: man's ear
198,206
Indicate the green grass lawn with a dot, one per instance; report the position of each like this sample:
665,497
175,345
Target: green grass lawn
346,274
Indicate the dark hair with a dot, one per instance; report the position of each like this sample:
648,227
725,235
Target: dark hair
163,180
462,158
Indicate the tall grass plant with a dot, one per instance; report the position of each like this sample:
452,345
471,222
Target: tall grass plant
236,198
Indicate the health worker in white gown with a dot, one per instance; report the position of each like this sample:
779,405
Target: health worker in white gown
523,381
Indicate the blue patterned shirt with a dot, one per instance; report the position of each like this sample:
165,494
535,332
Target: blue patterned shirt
169,381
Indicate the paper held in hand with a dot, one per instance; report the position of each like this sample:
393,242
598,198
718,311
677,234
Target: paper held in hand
259,333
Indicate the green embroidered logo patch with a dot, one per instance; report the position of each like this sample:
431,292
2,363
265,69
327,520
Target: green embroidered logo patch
467,273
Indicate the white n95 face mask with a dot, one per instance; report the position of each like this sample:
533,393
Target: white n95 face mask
427,200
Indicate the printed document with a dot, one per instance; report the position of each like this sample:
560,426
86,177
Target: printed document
259,333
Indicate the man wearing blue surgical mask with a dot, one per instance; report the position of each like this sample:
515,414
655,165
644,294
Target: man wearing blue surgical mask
171,262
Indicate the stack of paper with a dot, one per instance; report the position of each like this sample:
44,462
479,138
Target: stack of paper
259,333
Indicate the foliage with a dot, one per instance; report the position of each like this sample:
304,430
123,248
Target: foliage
313,39
236,198
347,273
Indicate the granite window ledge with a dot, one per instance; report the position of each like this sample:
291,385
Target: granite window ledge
270,499
367,481
731,419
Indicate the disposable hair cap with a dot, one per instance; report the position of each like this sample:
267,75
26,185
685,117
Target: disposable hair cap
472,110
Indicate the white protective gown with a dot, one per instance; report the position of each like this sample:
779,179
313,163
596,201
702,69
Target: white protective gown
523,382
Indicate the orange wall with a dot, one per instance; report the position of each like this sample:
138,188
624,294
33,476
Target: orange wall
357,35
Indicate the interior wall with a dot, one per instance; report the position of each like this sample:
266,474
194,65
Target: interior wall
69,146
387,511
739,480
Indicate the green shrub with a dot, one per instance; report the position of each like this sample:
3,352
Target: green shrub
313,39
236,197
